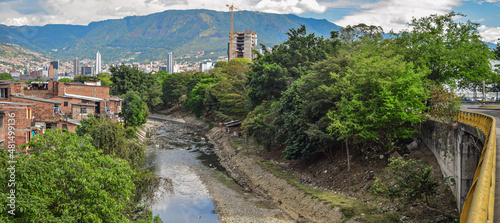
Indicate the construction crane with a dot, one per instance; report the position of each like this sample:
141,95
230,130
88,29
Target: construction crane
231,32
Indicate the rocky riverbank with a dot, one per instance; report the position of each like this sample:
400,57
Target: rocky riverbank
248,173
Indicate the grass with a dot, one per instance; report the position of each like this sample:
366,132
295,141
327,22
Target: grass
243,145
349,207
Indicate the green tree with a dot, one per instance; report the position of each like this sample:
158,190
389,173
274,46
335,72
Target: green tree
104,75
227,98
303,109
66,179
113,140
6,76
105,81
133,111
196,98
65,80
273,72
126,79
453,51
380,98
221,64
173,87
351,34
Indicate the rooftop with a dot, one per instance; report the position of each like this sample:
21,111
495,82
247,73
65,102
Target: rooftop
35,99
81,97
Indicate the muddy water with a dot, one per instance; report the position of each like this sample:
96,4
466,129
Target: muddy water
180,152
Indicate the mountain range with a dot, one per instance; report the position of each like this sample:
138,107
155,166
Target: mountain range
151,37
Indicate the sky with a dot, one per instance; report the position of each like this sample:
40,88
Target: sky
389,14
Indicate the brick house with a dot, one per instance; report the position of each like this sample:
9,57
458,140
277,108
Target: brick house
53,104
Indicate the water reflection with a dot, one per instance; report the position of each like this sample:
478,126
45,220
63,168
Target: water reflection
175,155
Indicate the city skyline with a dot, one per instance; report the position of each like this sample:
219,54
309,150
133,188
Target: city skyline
389,14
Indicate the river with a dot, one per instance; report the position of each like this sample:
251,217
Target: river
180,152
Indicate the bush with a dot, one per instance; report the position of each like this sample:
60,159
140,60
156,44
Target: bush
408,179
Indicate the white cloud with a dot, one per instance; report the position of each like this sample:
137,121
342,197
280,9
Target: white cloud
38,12
394,14
290,6
489,34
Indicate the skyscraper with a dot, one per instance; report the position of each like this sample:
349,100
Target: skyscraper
76,66
97,63
170,63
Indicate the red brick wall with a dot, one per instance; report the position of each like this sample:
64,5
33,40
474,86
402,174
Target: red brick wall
21,124
72,127
75,114
43,111
115,106
48,93
84,90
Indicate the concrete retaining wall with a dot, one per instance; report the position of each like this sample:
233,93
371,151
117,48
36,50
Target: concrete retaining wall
457,149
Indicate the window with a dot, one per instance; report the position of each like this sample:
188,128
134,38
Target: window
83,110
57,110
65,104
4,93
1,120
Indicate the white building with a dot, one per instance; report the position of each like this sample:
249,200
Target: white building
206,66
98,63
170,63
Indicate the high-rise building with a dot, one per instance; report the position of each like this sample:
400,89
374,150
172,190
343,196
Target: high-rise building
76,66
98,63
55,68
163,68
244,43
170,63
86,70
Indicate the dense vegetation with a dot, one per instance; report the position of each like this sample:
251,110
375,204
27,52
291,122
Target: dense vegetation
355,90
67,177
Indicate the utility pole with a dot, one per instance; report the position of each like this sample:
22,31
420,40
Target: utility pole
231,32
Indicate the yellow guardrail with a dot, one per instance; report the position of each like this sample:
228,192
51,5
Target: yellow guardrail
480,201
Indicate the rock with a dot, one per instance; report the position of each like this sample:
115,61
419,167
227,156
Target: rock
381,157
412,146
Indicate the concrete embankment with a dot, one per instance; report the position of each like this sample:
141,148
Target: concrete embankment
248,173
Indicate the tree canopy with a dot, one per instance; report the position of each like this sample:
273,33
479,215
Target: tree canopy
133,110
6,76
65,80
65,178
453,51
126,79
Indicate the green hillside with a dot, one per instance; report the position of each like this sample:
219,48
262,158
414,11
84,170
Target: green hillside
180,31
